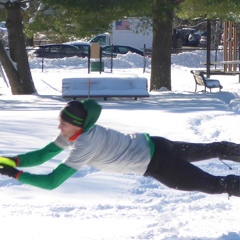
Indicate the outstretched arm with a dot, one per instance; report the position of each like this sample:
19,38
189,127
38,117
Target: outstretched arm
38,157
32,158
49,181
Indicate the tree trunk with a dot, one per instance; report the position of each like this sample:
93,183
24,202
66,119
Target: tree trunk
162,45
10,71
23,83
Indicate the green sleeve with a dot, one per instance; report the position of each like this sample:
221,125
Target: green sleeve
50,181
40,156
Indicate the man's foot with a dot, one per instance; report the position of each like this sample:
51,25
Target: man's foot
229,151
231,185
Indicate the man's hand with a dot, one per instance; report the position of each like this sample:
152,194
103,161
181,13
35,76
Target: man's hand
9,171
10,161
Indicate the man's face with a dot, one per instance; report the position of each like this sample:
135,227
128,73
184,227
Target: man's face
67,129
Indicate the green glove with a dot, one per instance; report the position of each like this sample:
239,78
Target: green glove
9,171
10,161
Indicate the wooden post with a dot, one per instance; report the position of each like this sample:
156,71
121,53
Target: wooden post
230,44
235,47
225,44
208,47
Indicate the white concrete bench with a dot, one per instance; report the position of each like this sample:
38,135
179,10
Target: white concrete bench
93,87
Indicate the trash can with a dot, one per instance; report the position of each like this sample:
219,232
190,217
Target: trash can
95,66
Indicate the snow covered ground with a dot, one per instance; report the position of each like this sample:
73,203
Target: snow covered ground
93,205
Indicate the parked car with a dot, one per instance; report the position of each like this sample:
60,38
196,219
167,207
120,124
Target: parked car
193,39
198,38
83,46
3,24
184,33
119,49
58,51
203,39
3,29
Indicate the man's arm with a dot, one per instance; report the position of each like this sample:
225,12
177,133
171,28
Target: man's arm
38,157
49,181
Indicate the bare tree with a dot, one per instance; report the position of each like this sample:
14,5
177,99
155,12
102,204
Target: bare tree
15,62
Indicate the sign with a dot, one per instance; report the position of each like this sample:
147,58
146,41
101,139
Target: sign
123,25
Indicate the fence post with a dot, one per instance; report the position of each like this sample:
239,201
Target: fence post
42,63
144,58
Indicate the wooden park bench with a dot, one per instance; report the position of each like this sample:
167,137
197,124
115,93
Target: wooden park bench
104,87
201,80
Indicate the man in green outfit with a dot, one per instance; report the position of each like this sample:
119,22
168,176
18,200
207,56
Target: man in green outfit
108,150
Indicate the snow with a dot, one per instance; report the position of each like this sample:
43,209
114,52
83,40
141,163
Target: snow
94,205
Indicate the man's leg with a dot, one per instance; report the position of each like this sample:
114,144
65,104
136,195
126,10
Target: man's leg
179,174
193,152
